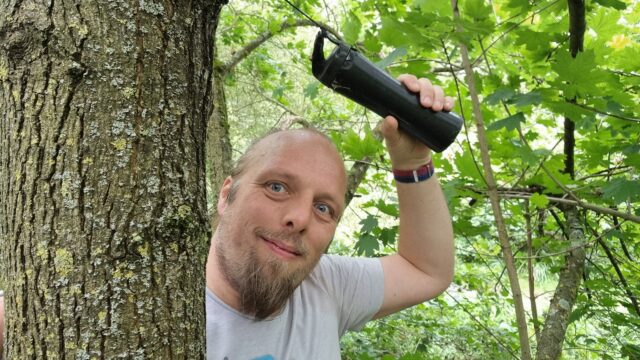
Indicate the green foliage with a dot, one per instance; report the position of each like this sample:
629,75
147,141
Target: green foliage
622,190
539,200
511,122
356,147
352,27
528,84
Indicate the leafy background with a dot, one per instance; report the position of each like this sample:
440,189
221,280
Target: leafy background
528,86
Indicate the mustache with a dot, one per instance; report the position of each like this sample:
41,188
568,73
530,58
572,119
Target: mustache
291,239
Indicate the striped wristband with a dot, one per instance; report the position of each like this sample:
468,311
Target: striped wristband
422,173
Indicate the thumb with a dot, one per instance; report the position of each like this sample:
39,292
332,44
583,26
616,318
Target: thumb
389,130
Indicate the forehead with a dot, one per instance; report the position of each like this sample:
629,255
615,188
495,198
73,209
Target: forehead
305,155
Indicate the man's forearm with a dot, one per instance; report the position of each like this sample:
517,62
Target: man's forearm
426,234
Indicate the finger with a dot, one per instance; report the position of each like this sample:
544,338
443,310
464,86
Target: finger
448,103
438,98
410,81
426,92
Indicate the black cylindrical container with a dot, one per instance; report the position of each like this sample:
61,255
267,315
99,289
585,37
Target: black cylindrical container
351,74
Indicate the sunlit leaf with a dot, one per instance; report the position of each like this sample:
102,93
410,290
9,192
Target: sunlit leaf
351,28
539,200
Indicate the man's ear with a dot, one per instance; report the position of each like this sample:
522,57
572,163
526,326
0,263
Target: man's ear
223,196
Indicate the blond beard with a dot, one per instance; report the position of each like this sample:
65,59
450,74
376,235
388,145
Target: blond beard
263,286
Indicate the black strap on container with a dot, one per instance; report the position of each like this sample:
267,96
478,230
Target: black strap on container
325,33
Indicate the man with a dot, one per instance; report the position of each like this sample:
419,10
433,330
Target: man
271,292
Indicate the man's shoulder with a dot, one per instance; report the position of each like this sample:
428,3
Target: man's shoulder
337,270
329,262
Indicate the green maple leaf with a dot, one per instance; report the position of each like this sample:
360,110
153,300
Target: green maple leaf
389,209
620,190
531,98
368,224
351,28
501,94
358,148
539,200
510,123
388,235
578,76
367,245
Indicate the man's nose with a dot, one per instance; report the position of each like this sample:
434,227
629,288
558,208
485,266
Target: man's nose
297,214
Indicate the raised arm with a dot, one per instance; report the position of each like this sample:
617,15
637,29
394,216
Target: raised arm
423,266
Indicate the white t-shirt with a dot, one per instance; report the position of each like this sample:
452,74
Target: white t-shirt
340,294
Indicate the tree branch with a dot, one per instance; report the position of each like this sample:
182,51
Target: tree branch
616,267
579,203
577,26
622,244
525,349
607,172
621,117
247,49
532,281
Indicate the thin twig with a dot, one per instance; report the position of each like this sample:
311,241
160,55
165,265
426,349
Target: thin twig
621,117
580,203
515,26
240,54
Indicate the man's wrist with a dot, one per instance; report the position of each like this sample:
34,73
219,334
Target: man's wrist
411,163
417,174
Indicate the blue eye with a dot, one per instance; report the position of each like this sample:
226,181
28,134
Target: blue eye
324,208
276,187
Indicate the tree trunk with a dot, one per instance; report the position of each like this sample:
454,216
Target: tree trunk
556,321
219,150
103,209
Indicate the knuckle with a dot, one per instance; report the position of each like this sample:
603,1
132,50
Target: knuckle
425,81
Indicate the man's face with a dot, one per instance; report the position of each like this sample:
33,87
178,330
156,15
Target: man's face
278,218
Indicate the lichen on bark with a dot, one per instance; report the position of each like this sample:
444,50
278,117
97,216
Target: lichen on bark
103,217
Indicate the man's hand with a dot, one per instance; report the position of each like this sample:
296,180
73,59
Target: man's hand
407,153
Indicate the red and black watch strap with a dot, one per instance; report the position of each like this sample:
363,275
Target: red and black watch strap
422,173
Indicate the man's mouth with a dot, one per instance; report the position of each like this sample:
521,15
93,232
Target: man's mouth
281,249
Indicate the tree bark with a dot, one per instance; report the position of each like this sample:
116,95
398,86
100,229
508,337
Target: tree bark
219,150
103,208
555,326
556,321
577,26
